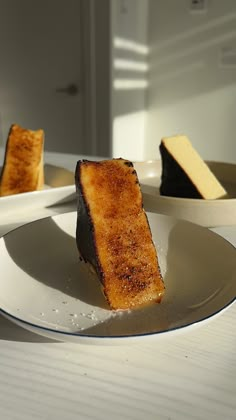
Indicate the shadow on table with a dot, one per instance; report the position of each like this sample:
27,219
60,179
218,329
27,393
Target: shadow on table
12,332
49,255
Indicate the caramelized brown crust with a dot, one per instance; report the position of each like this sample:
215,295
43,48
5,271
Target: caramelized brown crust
121,247
23,163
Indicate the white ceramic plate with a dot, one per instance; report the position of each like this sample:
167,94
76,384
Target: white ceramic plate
59,188
210,213
46,289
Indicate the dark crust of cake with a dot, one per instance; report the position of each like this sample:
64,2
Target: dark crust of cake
85,240
174,181
6,151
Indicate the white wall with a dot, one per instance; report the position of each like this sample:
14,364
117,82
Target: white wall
129,21
189,90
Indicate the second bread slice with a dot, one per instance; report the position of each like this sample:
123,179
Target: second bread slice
23,164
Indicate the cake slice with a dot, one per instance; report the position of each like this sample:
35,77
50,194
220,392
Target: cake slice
23,164
184,173
113,233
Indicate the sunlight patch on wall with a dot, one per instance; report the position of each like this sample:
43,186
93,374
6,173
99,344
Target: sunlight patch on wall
193,49
128,136
194,31
129,84
176,73
130,45
122,64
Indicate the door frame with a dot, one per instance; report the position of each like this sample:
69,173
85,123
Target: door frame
96,76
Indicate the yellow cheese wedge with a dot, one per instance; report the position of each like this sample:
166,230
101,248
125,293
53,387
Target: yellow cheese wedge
184,173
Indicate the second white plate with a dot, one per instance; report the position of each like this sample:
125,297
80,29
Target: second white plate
59,189
210,213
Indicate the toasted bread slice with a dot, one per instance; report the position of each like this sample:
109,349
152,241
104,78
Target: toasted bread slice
23,164
113,233
184,173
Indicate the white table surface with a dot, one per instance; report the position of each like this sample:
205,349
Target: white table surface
188,376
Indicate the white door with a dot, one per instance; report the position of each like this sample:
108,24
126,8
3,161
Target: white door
41,71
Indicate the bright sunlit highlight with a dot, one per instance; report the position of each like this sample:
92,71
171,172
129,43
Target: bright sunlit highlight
129,135
126,84
121,64
129,45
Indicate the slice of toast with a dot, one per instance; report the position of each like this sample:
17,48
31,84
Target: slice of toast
113,233
23,164
184,172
